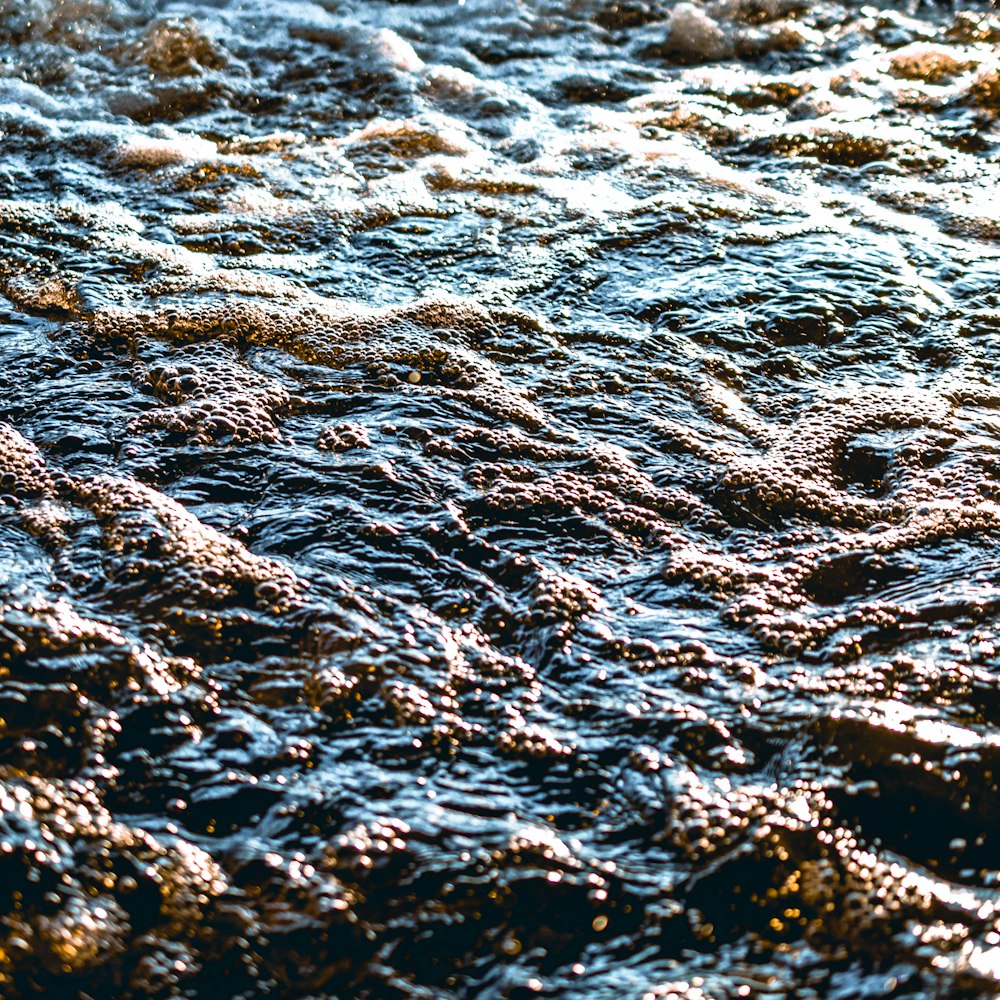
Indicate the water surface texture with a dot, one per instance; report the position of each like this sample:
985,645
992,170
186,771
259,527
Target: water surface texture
500,499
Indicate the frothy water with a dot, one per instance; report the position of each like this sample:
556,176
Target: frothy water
500,499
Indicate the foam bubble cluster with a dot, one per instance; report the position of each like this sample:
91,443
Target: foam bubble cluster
499,499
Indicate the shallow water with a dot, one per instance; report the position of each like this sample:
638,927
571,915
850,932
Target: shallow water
500,499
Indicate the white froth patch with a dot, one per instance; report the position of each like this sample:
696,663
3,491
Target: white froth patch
256,201
443,82
719,31
27,95
692,31
272,142
15,115
396,51
399,194
593,197
139,150
929,63
832,107
432,136
450,81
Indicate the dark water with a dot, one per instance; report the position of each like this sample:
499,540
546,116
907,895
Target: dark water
500,499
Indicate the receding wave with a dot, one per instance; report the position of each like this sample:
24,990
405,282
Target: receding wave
499,499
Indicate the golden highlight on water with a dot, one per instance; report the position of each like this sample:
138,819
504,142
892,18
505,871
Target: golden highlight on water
499,499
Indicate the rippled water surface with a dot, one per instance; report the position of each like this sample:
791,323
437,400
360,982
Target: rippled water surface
500,499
